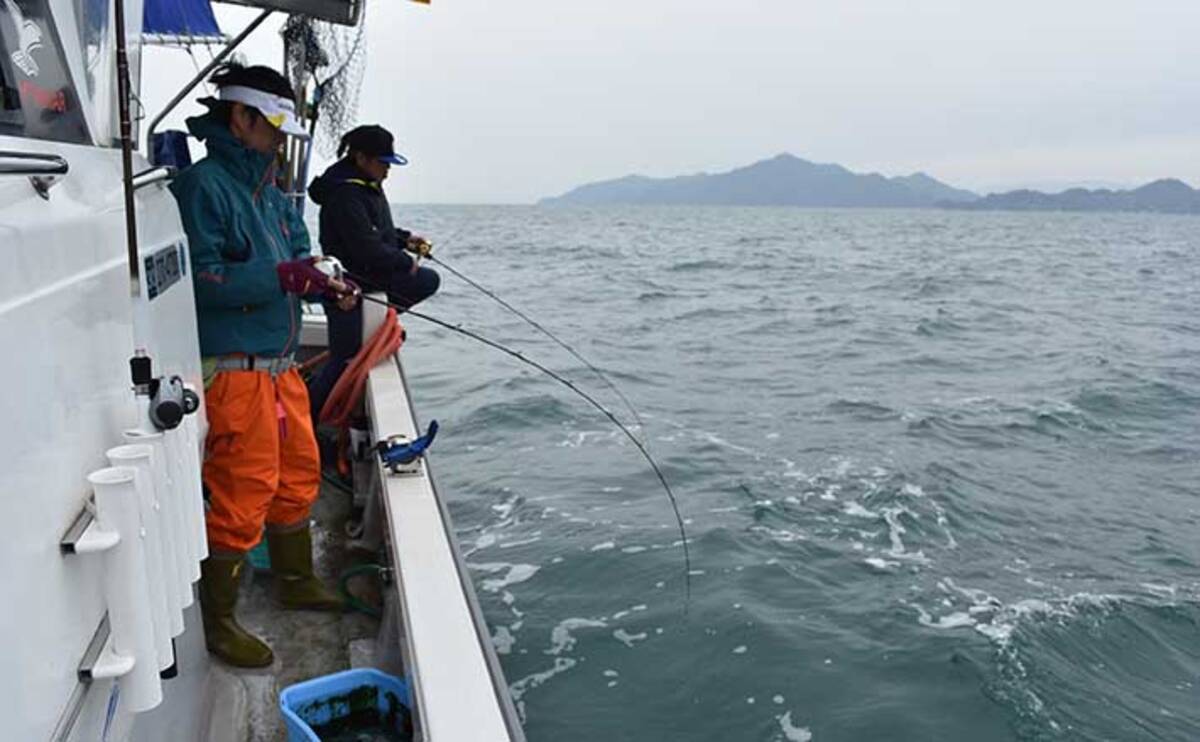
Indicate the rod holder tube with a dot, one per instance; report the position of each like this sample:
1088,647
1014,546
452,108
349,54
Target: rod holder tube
192,463
175,551
181,490
140,458
129,608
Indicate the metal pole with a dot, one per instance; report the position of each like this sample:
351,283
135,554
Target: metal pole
199,78
131,242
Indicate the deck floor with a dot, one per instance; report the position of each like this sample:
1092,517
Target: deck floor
307,644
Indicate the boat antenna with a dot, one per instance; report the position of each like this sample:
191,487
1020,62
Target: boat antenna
538,326
687,559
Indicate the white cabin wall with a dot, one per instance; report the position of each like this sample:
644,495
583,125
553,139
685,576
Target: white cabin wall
65,326
68,326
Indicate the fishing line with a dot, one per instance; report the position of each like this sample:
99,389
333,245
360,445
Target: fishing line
687,559
537,326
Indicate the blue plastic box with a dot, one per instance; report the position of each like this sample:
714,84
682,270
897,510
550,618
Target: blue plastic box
322,700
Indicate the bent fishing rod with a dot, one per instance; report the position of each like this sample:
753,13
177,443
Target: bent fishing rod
537,326
458,329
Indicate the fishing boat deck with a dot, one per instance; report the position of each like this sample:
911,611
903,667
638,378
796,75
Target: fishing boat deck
432,631
245,703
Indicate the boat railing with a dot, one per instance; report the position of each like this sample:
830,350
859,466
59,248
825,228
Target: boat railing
152,176
32,163
458,685
42,169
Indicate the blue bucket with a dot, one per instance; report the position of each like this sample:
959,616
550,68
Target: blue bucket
325,700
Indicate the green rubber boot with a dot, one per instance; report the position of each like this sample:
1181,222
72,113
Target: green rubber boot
291,563
222,634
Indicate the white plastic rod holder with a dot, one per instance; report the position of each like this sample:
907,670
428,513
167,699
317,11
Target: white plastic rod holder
181,492
175,548
192,468
110,664
139,456
129,609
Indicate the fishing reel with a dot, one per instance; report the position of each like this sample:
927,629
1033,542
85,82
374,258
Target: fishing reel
419,246
170,398
330,266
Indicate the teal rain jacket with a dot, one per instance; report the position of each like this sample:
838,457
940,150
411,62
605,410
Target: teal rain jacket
239,227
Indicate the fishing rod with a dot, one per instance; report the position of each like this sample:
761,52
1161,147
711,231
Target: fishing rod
687,559
537,326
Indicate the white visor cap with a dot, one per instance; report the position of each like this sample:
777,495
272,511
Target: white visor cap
280,112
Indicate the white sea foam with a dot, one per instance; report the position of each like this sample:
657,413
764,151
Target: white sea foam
603,546
857,510
782,535
503,640
519,688
895,530
561,639
951,621
1163,591
628,639
579,438
997,620
881,563
792,732
516,573
485,540
719,441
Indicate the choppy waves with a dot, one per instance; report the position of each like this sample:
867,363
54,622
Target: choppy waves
939,472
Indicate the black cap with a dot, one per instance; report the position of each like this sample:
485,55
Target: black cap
373,141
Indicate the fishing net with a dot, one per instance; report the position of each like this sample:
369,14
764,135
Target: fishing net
334,56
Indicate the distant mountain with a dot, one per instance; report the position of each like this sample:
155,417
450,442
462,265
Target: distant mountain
1168,196
783,180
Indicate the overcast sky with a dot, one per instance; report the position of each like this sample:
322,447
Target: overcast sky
508,101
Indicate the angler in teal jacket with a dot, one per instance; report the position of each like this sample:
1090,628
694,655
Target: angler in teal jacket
239,227
250,269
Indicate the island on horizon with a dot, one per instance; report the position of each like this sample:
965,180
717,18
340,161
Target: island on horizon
788,180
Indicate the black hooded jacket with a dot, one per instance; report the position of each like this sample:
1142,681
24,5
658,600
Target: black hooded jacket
356,224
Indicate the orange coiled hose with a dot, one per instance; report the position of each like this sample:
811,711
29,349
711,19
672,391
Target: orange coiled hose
347,393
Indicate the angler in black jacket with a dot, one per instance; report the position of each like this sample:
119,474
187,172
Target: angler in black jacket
356,228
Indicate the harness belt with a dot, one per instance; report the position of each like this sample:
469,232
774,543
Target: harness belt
273,365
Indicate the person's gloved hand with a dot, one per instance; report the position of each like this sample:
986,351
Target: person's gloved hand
301,277
420,246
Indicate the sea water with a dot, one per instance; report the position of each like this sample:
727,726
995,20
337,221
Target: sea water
940,471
